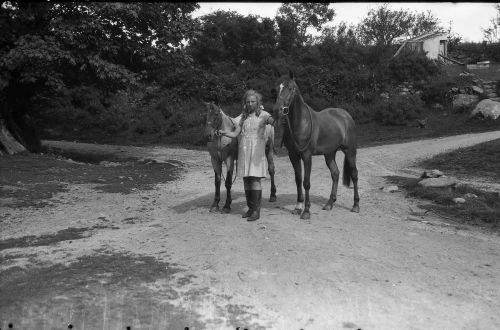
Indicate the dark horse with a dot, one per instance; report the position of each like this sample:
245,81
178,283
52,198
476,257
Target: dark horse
225,150
308,133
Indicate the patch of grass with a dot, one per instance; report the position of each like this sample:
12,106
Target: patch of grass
483,210
481,160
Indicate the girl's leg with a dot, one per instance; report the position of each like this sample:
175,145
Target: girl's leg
256,194
247,184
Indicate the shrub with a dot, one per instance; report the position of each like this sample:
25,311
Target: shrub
412,67
398,110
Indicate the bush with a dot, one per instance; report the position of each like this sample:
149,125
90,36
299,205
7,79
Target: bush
398,110
412,67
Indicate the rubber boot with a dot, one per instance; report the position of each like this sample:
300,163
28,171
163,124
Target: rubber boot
257,199
248,195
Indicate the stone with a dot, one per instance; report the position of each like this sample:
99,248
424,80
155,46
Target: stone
464,100
458,200
477,90
470,195
432,174
486,109
390,189
384,95
440,182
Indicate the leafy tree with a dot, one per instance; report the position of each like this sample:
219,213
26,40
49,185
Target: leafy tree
294,18
46,48
492,33
383,25
229,36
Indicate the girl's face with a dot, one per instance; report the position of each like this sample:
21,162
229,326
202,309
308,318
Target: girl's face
251,103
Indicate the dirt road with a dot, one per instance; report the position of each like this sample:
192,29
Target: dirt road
158,259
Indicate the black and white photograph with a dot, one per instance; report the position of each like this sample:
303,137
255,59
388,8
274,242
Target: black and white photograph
249,165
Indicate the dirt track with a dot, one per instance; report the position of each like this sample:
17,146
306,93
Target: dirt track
158,260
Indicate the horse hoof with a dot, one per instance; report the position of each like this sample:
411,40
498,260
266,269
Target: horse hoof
297,211
214,209
272,199
355,209
328,207
226,209
305,216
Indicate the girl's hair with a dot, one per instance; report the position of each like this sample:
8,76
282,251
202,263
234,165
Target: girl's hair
245,113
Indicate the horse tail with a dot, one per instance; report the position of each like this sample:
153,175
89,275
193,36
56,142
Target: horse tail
347,172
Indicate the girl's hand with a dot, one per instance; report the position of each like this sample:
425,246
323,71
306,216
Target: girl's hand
219,133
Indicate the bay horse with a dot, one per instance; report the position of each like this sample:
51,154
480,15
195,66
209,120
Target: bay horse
309,133
223,149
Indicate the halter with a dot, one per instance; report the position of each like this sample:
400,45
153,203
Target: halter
287,109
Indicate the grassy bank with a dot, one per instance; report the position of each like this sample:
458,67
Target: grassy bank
480,207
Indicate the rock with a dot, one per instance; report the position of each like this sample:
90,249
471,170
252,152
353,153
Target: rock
432,174
470,195
477,90
384,95
437,106
109,164
464,100
458,200
390,189
440,182
487,109
421,123
454,89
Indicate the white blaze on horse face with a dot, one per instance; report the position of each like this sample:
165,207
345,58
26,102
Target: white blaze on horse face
281,88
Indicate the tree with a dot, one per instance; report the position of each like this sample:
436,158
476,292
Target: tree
294,18
383,25
492,33
48,47
229,36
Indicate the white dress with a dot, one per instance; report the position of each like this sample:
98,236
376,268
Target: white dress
252,146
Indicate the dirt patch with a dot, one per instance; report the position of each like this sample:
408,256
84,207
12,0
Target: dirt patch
29,180
100,291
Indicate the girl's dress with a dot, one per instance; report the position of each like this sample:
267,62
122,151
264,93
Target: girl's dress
252,146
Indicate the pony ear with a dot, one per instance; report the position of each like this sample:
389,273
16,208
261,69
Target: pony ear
292,76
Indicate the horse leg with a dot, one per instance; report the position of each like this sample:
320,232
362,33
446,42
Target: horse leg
334,171
230,168
217,171
297,168
307,185
351,170
271,170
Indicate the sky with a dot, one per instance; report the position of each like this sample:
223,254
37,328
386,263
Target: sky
467,18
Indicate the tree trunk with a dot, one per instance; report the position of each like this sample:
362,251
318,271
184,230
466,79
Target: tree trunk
8,144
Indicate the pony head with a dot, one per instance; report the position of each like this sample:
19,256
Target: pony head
213,119
286,92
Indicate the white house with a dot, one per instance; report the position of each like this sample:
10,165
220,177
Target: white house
434,44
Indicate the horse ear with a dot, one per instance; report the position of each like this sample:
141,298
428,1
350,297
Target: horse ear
292,76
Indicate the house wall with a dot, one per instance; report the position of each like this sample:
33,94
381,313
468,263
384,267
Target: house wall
431,46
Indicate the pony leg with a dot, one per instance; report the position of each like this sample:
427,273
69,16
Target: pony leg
230,168
297,168
351,172
307,185
334,171
217,171
271,170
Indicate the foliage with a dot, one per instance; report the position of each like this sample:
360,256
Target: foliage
398,110
412,67
51,47
492,33
293,19
383,25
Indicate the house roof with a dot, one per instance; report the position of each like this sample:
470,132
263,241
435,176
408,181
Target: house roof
426,36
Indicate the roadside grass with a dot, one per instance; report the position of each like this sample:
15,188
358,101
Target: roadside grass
480,207
481,160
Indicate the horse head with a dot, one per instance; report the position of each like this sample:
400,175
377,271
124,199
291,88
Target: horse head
213,121
287,91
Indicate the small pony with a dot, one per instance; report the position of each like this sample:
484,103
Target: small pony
225,150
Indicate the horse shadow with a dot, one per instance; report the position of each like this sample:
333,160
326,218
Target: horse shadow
284,203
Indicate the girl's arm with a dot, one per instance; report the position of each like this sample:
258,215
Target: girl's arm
232,134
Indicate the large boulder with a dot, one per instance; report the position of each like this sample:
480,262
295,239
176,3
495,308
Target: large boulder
440,182
487,109
464,100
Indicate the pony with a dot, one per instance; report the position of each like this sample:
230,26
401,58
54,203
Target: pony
225,150
309,133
